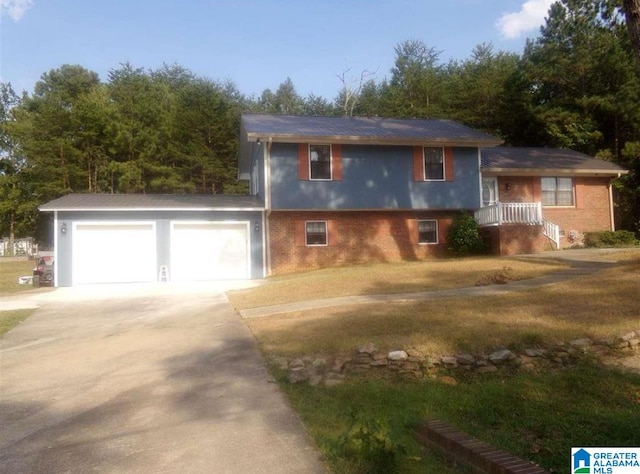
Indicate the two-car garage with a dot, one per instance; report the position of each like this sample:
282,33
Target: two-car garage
149,238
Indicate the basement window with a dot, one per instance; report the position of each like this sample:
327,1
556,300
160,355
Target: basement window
316,233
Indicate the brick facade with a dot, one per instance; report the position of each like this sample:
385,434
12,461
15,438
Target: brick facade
354,237
515,239
591,210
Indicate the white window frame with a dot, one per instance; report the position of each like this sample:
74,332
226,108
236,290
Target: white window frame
492,183
330,178
424,163
326,233
418,230
573,195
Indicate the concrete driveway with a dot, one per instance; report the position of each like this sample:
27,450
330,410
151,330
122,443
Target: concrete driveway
155,379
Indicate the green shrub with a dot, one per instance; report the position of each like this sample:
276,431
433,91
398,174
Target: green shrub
369,445
607,238
464,237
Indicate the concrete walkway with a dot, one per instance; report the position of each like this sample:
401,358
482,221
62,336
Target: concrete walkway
582,262
143,379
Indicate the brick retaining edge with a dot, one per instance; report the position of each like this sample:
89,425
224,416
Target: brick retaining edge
475,454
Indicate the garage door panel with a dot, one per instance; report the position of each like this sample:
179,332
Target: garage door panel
114,253
209,251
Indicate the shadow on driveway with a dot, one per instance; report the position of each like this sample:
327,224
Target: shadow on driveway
152,384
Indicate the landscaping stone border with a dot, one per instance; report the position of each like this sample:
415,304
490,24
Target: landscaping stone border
413,363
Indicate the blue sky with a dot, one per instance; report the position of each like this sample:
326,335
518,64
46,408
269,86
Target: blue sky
256,44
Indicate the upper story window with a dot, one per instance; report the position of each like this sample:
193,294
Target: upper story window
428,232
320,162
557,191
433,163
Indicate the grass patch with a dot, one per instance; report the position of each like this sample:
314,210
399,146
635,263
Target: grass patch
10,319
9,273
407,277
600,305
537,417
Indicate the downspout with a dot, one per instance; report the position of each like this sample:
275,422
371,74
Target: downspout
611,217
267,204
56,260
480,176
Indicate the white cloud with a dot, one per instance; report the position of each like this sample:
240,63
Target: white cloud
15,8
530,17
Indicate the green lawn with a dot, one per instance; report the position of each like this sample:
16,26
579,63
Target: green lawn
10,319
9,273
538,417
365,425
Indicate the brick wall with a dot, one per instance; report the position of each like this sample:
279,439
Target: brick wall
515,239
590,213
354,237
516,189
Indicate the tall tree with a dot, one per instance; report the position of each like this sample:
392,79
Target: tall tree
477,86
417,81
632,13
18,204
50,126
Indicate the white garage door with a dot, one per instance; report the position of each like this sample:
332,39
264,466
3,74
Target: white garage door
114,252
209,251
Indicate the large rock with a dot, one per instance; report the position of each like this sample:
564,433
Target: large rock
535,352
465,359
581,344
398,355
298,375
502,356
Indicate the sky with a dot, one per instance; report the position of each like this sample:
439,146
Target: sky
256,44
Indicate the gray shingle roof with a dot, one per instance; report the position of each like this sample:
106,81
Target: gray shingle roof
518,159
142,202
361,129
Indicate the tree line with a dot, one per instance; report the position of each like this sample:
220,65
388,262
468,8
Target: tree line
576,85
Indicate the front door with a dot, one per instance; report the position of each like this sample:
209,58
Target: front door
489,191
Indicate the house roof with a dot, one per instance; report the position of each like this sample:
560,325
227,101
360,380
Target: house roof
374,130
153,202
545,161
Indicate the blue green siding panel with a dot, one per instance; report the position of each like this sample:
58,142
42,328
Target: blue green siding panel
374,177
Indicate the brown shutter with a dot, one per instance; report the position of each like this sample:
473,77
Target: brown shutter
336,162
442,228
412,228
332,232
303,161
448,164
537,189
300,234
418,163
578,183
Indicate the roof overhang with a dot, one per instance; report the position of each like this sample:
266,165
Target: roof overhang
147,209
554,172
360,140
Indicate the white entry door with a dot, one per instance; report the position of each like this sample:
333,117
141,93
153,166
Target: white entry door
113,252
203,251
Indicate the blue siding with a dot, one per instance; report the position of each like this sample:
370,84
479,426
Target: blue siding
163,226
374,177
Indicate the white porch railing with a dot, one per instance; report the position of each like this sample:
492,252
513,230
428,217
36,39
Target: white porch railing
510,213
552,231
